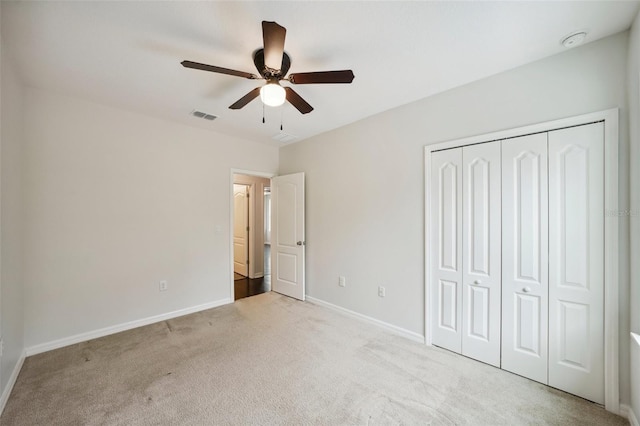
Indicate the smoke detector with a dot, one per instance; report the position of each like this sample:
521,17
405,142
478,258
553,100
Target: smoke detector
574,39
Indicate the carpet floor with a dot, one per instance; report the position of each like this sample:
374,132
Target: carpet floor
269,359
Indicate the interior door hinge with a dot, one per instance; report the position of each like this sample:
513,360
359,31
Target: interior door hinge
247,228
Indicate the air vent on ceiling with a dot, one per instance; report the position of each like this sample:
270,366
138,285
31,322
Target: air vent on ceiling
204,115
284,137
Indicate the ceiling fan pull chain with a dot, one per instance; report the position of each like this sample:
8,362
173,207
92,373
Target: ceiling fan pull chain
281,114
262,113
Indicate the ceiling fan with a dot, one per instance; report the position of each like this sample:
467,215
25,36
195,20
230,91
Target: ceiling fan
273,64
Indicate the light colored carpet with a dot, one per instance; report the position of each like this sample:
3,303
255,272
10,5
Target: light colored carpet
269,359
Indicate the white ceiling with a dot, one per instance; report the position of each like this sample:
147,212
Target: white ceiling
128,54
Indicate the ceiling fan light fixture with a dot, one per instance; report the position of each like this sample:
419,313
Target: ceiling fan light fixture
272,94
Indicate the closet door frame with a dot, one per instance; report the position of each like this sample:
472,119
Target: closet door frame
611,245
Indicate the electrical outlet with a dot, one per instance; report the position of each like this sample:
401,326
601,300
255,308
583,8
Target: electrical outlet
342,281
163,286
382,292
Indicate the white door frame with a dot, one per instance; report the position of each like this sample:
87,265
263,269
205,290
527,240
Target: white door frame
611,245
232,172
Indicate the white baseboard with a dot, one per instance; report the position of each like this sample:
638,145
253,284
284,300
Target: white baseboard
83,337
627,412
633,419
389,327
12,381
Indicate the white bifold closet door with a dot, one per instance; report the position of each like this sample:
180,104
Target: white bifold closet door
525,281
446,246
481,252
553,259
576,261
517,255
465,258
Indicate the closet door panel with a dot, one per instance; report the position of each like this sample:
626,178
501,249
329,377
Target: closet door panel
446,242
481,252
576,261
524,256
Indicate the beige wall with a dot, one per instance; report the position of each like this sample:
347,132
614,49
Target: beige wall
11,222
634,206
365,182
116,201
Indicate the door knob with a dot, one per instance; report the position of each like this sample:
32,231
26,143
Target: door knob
526,289
300,243
477,282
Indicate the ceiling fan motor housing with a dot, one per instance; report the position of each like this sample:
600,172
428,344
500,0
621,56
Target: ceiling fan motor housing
268,73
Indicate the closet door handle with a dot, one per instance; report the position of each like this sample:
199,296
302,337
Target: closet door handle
476,282
526,289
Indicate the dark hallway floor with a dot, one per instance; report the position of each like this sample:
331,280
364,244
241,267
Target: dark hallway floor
245,287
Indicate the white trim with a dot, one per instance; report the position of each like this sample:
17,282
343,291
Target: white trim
83,337
428,339
578,120
12,381
611,264
633,419
610,118
627,410
627,413
624,411
232,291
389,327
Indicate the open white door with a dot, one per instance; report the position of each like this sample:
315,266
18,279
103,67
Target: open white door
287,235
240,230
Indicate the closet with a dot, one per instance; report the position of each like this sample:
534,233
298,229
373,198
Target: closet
516,255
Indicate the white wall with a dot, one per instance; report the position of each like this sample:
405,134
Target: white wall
365,184
634,169
116,201
11,223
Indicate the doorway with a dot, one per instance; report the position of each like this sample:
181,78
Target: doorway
251,234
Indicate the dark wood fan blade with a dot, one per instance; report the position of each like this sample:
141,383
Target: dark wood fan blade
343,76
273,36
220,70
297,101
246,99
